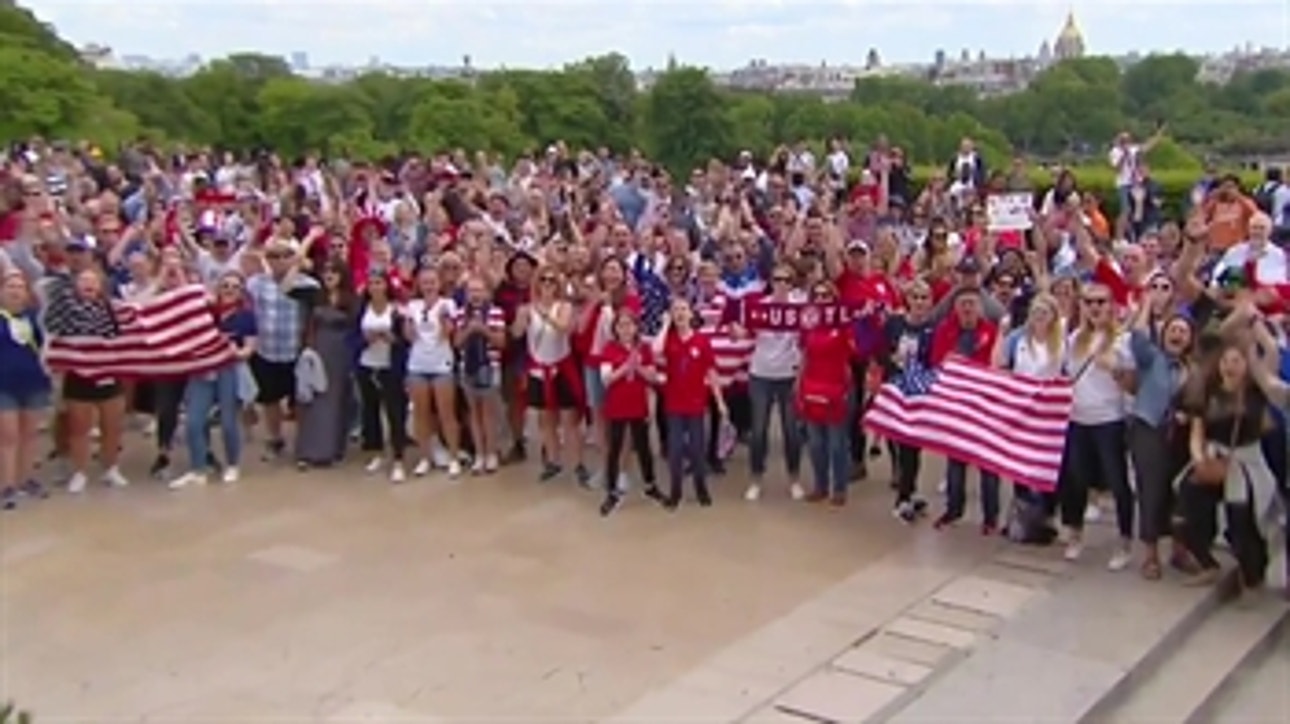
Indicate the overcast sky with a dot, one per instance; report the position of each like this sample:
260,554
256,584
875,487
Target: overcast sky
715,33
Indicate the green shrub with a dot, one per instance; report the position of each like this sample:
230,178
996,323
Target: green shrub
11,714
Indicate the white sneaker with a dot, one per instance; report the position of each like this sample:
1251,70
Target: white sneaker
187,479
396,473
1120,560
1093,513
796,491
753,493
114,478
1074,549
422,467
623,484
76,484
374,465
477,467
231,475
441,458
96,433
491,463
454,468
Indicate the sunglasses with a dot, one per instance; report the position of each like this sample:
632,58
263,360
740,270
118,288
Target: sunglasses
919,297
1096,301
230,287
547,280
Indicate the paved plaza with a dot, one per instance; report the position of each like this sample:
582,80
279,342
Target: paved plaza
331,595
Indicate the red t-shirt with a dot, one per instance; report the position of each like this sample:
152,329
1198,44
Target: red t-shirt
626,398
687,364
857,290
826,357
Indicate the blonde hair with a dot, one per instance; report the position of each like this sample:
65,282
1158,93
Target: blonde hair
1056,334
1084,335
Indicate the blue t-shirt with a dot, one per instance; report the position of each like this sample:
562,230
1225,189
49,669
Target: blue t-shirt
20,344
239,325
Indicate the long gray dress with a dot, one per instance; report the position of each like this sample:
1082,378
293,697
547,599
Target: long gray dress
322,425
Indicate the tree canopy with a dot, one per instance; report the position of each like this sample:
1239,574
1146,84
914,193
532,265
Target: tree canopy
250,101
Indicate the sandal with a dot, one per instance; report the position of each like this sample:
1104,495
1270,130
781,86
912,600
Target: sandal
1151,570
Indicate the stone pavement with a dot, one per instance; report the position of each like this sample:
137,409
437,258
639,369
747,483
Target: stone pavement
331,596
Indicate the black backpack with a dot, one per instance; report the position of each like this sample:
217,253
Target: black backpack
1265,196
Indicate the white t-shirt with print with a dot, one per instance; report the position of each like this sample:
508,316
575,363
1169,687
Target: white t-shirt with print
431,351
1098,398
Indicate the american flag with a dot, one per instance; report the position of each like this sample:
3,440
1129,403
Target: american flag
170,335
653,293
1008,424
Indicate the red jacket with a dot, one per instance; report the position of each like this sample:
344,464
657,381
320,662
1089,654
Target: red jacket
945,340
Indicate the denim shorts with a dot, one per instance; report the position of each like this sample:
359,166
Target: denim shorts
429,378
595,386
25,401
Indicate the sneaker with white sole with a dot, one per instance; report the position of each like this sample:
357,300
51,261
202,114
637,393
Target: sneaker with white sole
753,493
189,479
422,467
796,491
454,468
1074,549
441,458
1093,513
477,467
374,465
231,475
1120,560
396,473
491,463
114,478
76,484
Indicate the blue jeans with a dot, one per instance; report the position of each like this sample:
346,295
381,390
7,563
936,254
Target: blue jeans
765,393
686,444
830,448
202,394
956,493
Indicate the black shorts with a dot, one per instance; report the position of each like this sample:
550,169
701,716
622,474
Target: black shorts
276,380
83,389
564,397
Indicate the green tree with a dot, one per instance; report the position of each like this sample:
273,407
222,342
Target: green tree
39,93
298,117
686,119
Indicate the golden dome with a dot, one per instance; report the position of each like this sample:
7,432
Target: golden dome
1070,41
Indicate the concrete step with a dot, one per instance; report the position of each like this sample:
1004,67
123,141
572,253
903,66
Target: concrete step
1185,684
1074,656
1258,691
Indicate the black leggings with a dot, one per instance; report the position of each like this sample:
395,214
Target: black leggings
381,394
618,431
167,397
1200,504
908,460
859,447
1095,454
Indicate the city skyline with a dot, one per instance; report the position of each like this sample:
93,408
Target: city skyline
720,34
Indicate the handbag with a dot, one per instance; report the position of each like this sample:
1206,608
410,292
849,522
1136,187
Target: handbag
1212,471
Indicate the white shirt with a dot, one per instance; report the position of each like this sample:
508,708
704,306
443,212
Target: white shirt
431,351
1271,267
1098,397
1032,358
376,354
546,344
803,162
839,163
1124,159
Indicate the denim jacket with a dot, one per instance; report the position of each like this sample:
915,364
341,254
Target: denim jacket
1159,378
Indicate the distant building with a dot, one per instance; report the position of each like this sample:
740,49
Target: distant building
1070,41
299,62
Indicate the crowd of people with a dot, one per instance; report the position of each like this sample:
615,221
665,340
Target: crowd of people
450,315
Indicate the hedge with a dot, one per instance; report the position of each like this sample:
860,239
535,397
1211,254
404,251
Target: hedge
1176,186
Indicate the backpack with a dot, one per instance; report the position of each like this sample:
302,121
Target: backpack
1265,196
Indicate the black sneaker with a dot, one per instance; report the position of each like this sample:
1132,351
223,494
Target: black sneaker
583,476
610,505
550,471
671,503
904,512
159,467
517,453
33,489
717,467
652,492
920,507
273,451
9,498
705,500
